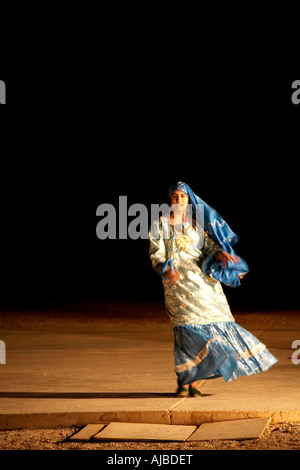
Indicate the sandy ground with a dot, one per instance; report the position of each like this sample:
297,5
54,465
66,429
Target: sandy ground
284,436
120,313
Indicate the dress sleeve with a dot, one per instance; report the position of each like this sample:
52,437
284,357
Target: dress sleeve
157,251
210,247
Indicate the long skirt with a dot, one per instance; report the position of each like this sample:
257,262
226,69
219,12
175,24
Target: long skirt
214,350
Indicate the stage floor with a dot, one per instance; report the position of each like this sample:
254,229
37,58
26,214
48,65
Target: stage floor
114,361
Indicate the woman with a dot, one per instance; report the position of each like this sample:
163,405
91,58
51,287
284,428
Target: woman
194,254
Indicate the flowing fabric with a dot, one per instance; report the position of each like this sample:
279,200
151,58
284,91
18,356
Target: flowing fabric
220,231
218,349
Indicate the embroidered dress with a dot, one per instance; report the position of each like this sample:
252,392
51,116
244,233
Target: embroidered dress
208,341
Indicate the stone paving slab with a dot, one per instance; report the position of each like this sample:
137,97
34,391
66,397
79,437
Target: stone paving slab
144,432
235,429
87,432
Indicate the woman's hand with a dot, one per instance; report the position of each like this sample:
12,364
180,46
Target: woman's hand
171,276
225,257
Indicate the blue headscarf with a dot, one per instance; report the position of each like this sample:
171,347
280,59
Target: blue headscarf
222,234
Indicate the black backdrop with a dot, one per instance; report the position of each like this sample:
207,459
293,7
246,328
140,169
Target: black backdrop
233,140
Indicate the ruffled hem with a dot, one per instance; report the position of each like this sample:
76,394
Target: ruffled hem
218,349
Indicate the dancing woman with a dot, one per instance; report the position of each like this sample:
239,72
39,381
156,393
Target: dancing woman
193,259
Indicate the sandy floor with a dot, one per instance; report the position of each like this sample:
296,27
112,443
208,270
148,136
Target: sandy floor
120,313
276,437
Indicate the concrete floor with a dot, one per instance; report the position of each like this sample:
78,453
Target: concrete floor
114,362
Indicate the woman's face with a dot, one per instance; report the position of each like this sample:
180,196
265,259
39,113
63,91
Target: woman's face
180,198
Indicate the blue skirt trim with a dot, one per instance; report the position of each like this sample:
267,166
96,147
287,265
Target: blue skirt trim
218,349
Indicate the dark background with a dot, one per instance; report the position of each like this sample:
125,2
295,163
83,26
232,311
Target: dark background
134,130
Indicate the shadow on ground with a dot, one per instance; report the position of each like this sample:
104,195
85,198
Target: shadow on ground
88,395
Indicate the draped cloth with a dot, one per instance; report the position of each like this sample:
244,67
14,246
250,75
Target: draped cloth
222,349
222,234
